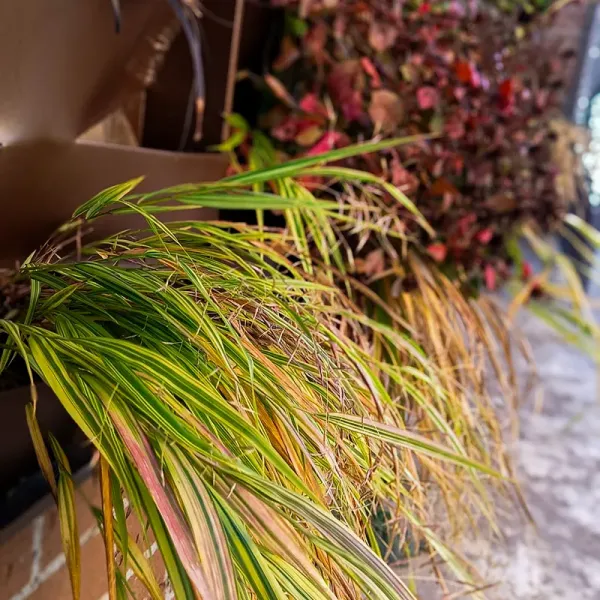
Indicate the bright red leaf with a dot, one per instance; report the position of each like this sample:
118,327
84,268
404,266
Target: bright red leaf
506,93
463,71
467,73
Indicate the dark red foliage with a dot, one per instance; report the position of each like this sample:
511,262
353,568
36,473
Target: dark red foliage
470,75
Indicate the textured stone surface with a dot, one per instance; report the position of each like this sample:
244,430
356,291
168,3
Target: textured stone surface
558,461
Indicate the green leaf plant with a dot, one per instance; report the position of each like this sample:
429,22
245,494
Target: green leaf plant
249,415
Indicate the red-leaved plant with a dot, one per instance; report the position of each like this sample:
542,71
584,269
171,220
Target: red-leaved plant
479,82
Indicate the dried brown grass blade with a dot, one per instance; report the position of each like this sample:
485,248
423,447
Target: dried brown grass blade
41,451
109,532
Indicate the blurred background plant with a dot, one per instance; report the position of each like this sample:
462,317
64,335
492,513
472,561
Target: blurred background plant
478,80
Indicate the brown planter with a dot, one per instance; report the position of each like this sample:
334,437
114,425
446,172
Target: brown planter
21,483
66,69
27,225
46,181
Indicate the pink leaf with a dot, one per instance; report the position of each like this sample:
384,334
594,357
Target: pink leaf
329,141
485,235
371,71
401,178
427,97
311,104
459,93
489,275
438,252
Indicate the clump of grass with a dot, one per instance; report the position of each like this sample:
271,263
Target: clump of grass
236,400
410,319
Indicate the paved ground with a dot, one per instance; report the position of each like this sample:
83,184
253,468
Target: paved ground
558,459
558,462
